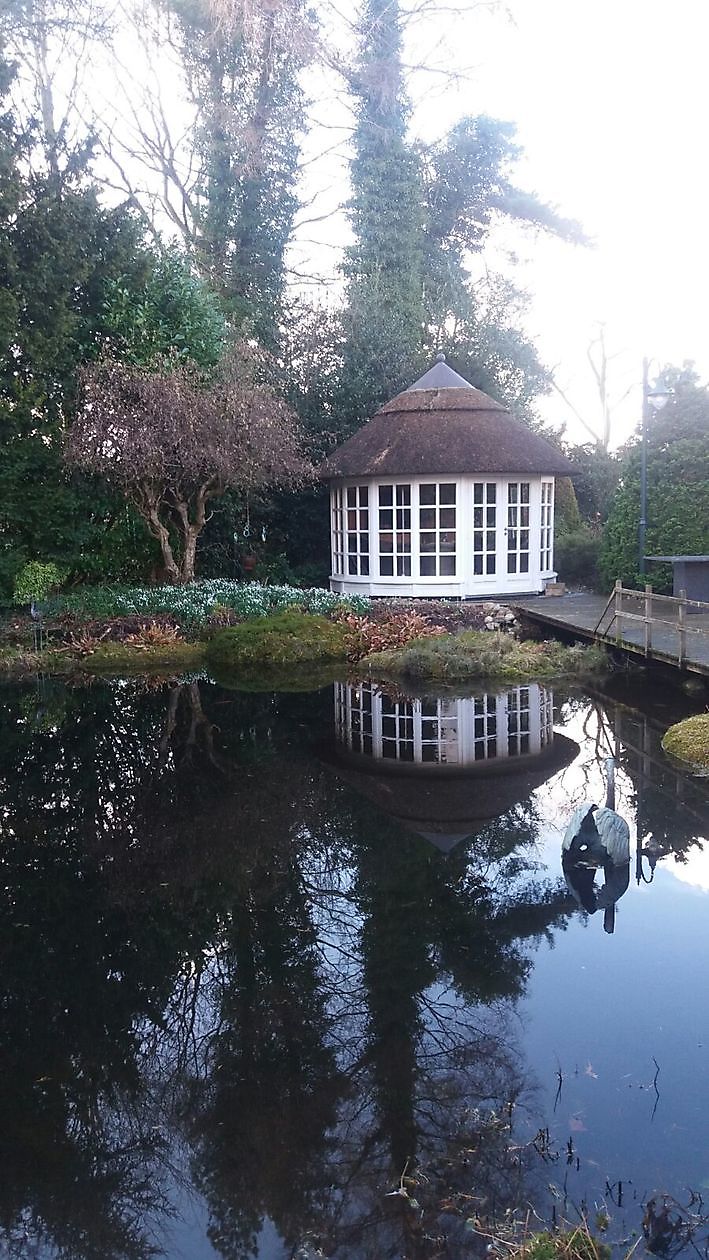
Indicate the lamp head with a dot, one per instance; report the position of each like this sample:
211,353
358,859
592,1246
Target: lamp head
659,396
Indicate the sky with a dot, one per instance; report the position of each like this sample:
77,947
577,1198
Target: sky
610,103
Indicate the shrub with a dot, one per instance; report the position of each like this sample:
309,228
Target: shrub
576,558
393,630
36,580
287,638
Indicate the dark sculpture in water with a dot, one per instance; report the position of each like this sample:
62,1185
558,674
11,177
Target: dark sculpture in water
598,839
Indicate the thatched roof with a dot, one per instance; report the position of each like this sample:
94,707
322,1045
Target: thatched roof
441,424
447,804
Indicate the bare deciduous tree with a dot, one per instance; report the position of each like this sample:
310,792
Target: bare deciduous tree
172,444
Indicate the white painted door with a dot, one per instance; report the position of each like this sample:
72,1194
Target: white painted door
517,531
487,498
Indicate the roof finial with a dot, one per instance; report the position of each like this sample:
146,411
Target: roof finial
440,357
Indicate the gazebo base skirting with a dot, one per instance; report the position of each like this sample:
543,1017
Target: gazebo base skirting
416,590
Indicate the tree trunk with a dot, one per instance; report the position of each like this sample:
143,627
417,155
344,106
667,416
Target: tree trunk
188,554
160,531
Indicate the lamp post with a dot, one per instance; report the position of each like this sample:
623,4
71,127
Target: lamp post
653,401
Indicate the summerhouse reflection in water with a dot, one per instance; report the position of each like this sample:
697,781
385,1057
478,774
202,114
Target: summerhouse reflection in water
445,766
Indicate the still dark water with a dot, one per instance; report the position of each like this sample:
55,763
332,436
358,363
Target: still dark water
299,975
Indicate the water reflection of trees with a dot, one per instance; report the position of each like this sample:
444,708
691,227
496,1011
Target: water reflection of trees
223,969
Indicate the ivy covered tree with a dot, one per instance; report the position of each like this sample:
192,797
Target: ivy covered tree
418,215
677,487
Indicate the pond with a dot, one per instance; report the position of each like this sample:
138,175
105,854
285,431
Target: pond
302,974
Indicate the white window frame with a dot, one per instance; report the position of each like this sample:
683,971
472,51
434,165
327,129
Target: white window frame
356,510
440,553
519,522
546,533
402,518
338,536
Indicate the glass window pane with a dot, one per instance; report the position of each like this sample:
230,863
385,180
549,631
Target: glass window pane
403,542
447,518
351,496
352,564
512,492
386,566
428,542
490,540
364,566
478,565
512,540
427,494
363,496
447,540
524,539
524,562
447,566
364,543
364,519
524,516
477,517
490,518
491,491
352,542
477,492
512,564
427,518
490,564
352,519
403,496
478,541
524,492
403,566
386,542
447,492
428,566
386,496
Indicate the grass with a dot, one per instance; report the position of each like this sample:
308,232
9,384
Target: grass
688,741
481,654
573,1244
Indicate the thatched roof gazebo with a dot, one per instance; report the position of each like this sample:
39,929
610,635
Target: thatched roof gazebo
443,493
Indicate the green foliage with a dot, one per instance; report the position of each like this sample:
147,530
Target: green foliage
478,654
689,741
677,488
59,250
572,1244
595,480
576,557
193,606
174,314
567,518
36,581
289,638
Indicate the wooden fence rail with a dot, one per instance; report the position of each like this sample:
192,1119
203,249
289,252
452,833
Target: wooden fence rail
643,609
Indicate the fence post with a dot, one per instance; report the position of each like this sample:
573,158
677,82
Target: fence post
618,610
648,619
681,611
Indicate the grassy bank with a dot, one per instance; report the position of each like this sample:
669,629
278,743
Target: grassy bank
688,741
458,658
250,635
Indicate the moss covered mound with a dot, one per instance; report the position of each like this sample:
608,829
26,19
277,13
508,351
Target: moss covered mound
272,644
451,658
688,741
123,658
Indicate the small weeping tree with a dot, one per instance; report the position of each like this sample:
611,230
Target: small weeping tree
172,441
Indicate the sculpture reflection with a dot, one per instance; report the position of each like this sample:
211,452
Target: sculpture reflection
444,767
598,839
